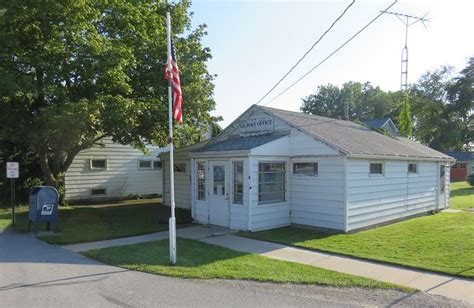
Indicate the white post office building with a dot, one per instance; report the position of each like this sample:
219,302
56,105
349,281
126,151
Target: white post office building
272,168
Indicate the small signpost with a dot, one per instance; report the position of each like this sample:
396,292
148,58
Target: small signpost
13,172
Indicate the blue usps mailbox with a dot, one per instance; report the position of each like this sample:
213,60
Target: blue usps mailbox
44,201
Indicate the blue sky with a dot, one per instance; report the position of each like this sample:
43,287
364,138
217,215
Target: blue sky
254,43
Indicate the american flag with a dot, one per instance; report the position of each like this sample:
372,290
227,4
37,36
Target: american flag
172,75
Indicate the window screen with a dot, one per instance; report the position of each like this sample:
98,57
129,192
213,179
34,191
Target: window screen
376,168
271,182
412,168
305,168
144,164
98,191
238,183
201,181
98,164
157,164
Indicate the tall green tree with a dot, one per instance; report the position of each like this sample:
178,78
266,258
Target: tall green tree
405,121
73,72
443,108
364,101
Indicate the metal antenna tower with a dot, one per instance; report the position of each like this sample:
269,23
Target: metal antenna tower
408,21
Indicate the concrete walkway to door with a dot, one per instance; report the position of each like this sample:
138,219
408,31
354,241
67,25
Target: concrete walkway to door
433,283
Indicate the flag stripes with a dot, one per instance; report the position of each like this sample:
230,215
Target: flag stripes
172,75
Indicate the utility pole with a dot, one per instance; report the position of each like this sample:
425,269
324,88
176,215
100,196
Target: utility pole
407,20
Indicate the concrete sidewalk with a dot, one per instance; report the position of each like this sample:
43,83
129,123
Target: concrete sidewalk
449,286
194,233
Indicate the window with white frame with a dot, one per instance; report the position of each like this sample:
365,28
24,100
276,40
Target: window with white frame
157,164
271,182
180,167
201,181
309,169
98,164
376,168
413,168
144,164
238,182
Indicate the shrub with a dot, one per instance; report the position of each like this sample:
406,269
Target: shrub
470,179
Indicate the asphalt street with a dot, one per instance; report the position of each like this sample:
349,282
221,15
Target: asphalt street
36,274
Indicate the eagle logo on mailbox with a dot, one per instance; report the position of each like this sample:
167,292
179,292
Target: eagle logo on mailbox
47,209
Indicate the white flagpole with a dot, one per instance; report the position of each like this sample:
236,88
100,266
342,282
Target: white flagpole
172,221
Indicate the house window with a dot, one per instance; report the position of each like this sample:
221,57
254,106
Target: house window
180,167
271,182
412,168
98,164
219,180
462,165
238,182
376,168
201,181
305,168
144,164
98,192
157,164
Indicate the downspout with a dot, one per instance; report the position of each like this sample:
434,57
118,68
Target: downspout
250,192
346,194
193,188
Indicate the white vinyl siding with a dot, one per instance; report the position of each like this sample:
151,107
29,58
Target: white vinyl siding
271,215
120,178
182,180
319,200
374,200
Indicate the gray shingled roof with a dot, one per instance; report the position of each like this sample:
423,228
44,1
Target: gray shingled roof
351,138
376,123
461,156
240,143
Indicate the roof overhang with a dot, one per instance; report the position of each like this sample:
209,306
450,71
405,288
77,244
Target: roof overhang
213,154
401,157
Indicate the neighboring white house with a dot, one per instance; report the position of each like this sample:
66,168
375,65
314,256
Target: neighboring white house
271,168
114,171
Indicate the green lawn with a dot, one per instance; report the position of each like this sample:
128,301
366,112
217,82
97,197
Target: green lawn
443,242
92,223
462,196
205,261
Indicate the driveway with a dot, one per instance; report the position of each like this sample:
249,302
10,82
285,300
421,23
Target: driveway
36,274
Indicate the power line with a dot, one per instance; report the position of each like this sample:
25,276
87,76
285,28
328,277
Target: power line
307,52
331,54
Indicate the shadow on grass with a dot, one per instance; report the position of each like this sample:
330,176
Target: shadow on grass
78,224
466,191
200,260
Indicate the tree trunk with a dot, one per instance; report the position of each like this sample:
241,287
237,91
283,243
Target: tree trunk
54,179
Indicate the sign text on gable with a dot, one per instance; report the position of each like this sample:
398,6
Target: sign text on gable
257,126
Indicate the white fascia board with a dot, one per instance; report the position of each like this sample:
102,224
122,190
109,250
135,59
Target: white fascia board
241,153
399,157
